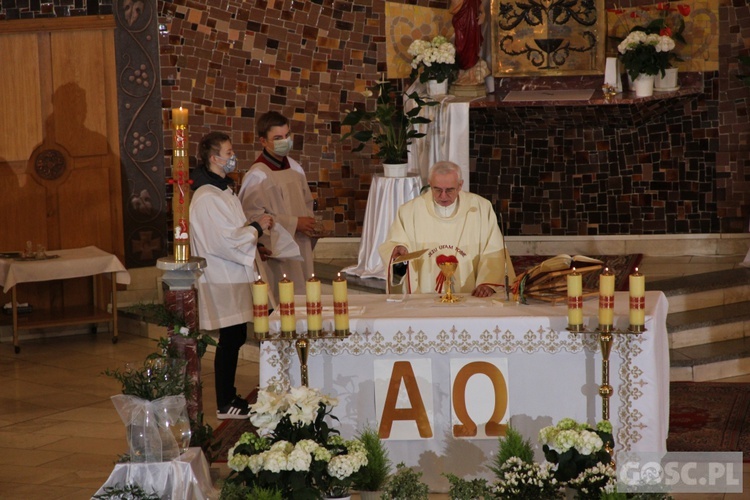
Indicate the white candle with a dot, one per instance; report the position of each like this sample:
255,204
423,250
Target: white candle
575,298
260,307
314,308
340,304
286,305
606,298
637,282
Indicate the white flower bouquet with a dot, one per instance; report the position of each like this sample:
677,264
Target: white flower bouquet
295,450
574,447
649,54
433,60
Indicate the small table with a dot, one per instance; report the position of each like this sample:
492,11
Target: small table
386,195
187,476
70,263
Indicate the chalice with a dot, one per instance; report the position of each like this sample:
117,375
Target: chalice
447,269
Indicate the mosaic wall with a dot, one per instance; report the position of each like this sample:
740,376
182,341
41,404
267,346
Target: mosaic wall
683,171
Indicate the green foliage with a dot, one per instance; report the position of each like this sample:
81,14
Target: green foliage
406,484
238,491
163,316
157,378
374,475
127,492
463,489
201,435
513,445
390,127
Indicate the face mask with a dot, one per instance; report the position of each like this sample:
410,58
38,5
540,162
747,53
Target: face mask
229,164
282,146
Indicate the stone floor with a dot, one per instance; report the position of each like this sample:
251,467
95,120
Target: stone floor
60,434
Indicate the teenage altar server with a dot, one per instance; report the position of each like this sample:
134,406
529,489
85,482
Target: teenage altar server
448,224
276,185
220,233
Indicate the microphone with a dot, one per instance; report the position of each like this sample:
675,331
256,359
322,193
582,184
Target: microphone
505,259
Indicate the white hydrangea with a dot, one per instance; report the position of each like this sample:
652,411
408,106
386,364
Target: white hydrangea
275,461
662,43
299,460
427,53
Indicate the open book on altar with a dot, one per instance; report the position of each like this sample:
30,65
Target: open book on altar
547,280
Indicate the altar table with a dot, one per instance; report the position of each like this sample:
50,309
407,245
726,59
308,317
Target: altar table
68,263
552,373
386,195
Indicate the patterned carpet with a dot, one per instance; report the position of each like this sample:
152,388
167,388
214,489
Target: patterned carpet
709,416
228,433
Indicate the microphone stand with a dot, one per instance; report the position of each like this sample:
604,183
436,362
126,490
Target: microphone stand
505,260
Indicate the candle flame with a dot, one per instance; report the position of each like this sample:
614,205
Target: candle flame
636,269
339,275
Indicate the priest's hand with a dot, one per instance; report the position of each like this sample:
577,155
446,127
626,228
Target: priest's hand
264,252
398,252
306,225
483,291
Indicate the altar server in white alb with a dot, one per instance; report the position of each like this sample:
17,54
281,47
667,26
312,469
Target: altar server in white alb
276,185
448,224
221,234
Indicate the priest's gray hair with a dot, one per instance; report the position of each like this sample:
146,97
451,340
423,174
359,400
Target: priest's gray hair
445,167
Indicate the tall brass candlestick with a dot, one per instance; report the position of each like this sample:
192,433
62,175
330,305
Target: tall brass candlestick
180,185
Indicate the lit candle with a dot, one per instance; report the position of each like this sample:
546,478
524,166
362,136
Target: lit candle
575,298
179,116
340,304
260,308
606,299
314,308
637,300
286,306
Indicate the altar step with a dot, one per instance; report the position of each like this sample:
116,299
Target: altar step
708,324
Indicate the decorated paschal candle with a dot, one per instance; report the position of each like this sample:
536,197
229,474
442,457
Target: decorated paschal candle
606,299
637,282
575,299
260,308
340,305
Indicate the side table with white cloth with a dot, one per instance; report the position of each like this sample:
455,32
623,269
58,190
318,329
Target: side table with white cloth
386,195
551,373
187,477
447,136
60,265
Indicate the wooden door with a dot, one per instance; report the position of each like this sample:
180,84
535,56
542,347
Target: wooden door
59,153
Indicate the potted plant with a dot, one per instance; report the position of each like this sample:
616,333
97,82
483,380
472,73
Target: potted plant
295,449
467,489
372,477
406,483
390,126
434,63
153,408
645,56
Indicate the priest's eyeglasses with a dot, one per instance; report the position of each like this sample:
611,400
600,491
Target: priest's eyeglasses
438,191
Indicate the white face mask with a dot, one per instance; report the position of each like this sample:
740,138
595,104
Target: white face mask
230,164
282,146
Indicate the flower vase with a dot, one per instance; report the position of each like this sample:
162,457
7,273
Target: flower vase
395,169
643,85
668,82
435,89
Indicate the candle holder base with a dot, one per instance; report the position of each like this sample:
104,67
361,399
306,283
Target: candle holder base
637,329
288,335
576,328
341,333
261,335
315,334
605,328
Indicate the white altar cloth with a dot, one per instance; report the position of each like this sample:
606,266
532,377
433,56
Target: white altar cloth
71,263
386,195
552,373
187,477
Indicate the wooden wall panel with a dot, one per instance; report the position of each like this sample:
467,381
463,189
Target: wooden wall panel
83,195
21,123
79,100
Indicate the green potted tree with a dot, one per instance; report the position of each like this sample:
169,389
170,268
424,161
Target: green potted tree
371,479
391,126
406,483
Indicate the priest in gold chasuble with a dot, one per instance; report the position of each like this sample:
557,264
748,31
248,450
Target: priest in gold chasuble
447,223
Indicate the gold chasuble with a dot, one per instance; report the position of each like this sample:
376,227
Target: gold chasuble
471,234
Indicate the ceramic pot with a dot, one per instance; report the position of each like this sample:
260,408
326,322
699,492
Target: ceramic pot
434,88
667,82
370,495
395,169
644,85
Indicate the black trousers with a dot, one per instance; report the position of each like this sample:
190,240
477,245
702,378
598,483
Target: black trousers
231,339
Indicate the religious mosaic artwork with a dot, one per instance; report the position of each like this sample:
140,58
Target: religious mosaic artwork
406,23
694,25
547,37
